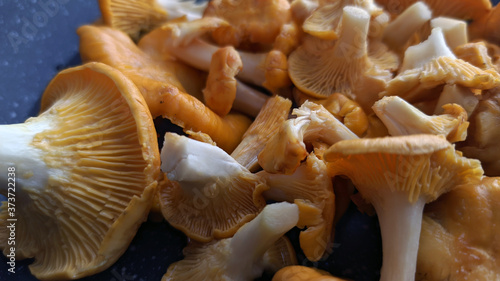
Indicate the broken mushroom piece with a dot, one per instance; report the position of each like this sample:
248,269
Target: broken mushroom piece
320,68
431,64
271,117
455,94
210,195
286,149
251,22
475,53
241,256
303,273
88,169
455,31
312,187
402,118
482,142
398,176
400,30
459,238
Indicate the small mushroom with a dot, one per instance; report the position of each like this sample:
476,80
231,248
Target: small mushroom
286,149
241,256
251,22
209,195
401,118
310,185
459,239
398,176
88,166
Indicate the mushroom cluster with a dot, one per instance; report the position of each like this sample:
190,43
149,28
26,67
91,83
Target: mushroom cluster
287,111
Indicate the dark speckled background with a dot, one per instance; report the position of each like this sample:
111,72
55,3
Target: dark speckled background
37,39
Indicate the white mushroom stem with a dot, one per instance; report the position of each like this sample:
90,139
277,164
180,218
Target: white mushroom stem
435,46
459,95
22,164
352,41
195,164
400,224
198,54
249,100
455,31
402,118
192,9
253,239
399,31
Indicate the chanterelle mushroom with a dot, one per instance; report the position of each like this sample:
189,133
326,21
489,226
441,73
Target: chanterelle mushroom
287,148
399,175
88,167
459,239
401,118
430,64
303,273
157,81
210,195
251,22
241,256
320,67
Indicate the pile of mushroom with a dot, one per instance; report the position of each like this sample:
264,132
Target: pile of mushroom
289,110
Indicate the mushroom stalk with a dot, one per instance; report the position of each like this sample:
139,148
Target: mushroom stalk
18,155
455,31
435,46
399,31
253,239
198,54
192,9
249,100
400,224
352,40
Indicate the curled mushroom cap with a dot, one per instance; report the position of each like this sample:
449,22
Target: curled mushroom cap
88,167
270,118
401,118
459,238
311,186
286,149
241,256
158,82
250,21
320,67
399,175
210,195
